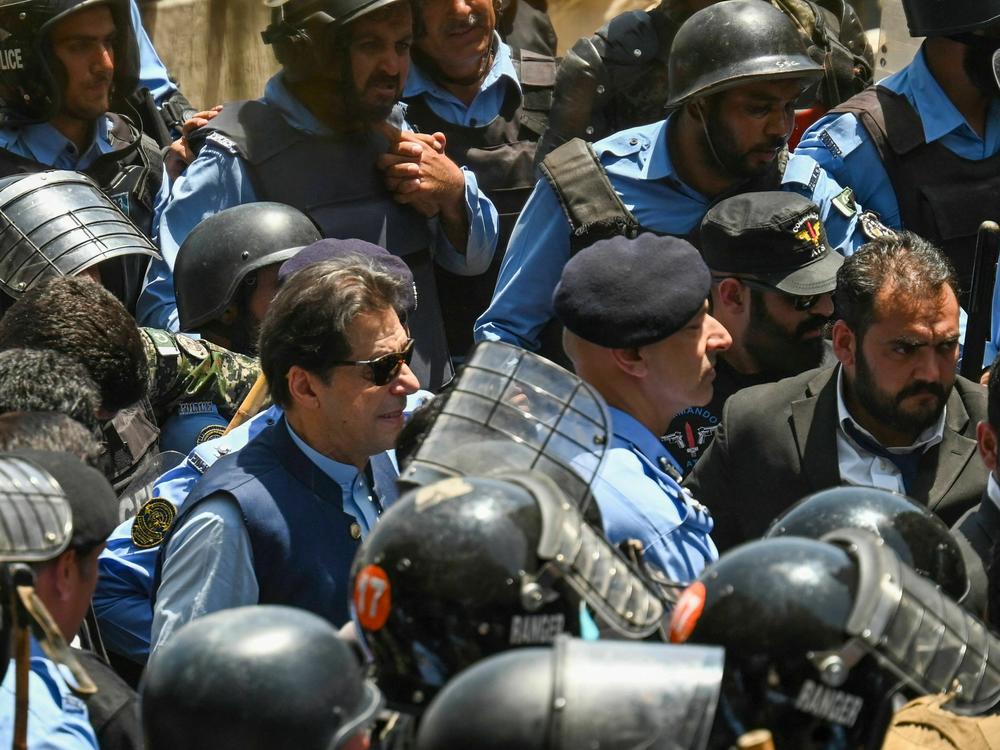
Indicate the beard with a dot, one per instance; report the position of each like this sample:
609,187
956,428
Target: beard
370,108
722,148
889,408
778,350
978,63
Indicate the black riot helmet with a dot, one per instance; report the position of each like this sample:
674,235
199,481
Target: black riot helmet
916,535
535,415
31,78
820,636
302,33
60,223
467,567
732,43
580,694
223,250
938,18
256,678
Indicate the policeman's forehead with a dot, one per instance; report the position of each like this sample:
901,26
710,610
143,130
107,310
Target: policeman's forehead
395,20
781,90
94,22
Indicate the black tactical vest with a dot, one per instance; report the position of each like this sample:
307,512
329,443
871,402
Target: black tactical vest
501,154
130,176
334,181
942,197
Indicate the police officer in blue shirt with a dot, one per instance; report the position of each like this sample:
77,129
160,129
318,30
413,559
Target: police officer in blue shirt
637,329
920,150
319,140
736,71
124,590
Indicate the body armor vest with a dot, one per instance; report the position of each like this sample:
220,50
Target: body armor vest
130,176
942,197
501,154
333,180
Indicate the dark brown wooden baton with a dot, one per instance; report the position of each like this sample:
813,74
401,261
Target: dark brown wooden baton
984,271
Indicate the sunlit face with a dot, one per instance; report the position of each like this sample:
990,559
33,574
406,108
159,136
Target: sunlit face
458,36
83,43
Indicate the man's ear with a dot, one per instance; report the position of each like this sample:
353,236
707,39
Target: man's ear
845,344
986,438
301,387
731,296
65,574
630,361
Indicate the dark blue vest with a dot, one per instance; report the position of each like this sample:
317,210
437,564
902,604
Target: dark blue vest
299,532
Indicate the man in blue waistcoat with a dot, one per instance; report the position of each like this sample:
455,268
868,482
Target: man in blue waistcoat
279,521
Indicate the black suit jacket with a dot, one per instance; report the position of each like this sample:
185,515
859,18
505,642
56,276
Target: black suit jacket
978,532
777,443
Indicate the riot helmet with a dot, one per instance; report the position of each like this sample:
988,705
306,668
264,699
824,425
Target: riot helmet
467,567
536,415
579,694
302,33
223,250
937,18
821,636
918,536
256,677
31,78
60,223
732,43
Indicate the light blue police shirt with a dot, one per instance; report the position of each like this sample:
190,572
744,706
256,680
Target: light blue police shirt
640,500
217,180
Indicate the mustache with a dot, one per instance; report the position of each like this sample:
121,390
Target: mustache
379,79
473,20
915,389
812,323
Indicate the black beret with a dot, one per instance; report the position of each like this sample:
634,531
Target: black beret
621,293
331,249
93,502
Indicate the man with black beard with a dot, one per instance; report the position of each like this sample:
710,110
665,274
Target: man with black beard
922,148
737,69
328,137
773,276
892,414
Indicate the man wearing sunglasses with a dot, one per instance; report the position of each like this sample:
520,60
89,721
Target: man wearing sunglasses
891,414
279,521
773,276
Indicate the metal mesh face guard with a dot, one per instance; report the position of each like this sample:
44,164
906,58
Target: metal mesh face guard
915,631
59,223
573,551
653,696
554,422
35,518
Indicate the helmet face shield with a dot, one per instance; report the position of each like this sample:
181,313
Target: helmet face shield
546,419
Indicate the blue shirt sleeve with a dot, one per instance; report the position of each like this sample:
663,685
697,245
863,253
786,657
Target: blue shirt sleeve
216,180
484,225
152,72
536,254
57,719
208,566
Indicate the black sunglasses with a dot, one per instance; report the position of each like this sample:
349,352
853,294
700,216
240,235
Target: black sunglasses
800,302
385,368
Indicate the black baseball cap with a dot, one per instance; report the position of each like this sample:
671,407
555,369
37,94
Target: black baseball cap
91,498
776,237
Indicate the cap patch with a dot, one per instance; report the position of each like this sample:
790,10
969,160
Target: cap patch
809,229
372,597
687,612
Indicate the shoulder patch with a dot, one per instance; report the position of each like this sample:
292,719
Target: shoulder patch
223,142
844,203
831,145
210,433
195,407
192,347
163,341
152,522
872,226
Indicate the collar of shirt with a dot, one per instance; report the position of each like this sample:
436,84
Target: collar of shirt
646,148
993,489
46,145
486,106
356,494
937,112
925,440
630,430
